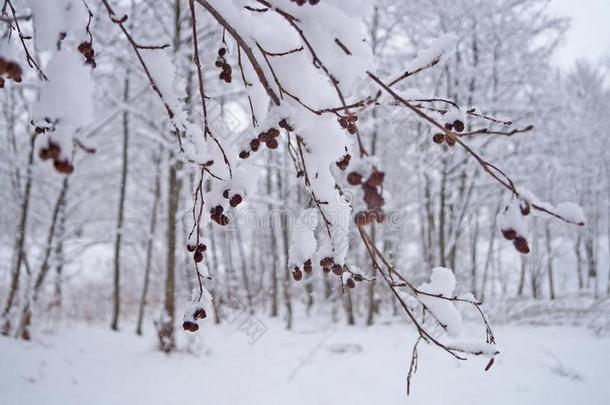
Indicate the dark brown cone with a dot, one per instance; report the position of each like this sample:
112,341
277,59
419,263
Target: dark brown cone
235,200
438,138
509,234
327,262
521,245
458,125
354,179
307,266
190,326
272,143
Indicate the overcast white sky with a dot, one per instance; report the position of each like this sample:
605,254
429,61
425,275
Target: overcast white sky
589,35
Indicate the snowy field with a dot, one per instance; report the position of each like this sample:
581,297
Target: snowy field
321,364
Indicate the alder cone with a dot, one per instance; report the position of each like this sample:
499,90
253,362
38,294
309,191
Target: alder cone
190,326
438,138
373,199
217,210
221,220
225,193
337,269
201,248
327,262
54,150
458,125
521,245
450,140
200,314
307,266
354,179
272,143
344,162
43,154
362,218
235,200
358,277
198,257
63,166
190,248
244,154
350,283
255,144
285,125
297,274
509,234
376,179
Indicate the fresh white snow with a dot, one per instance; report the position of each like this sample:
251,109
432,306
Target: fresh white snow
315,364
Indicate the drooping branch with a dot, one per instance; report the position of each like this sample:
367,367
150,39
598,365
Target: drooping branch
246,48
22,38
489,168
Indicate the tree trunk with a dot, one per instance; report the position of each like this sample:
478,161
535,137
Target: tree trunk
473,257
581,282
522,276
244,272
349,307
59,258
274,279
26,313
149,247
166,327
549,259
283,192
166,330
116,296
19,244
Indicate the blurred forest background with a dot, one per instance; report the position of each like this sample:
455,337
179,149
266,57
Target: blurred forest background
124,211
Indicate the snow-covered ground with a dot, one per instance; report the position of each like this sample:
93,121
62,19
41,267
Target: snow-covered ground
315,364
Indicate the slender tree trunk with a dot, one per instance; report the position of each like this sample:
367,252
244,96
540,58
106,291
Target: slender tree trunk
473,257
490,250
522,276
19,244
244,272
549,261
442,216
116,296
607,167
149,247
273,247
581,282
166,331
216,295
371,299
283,192
166,328
26,313
59,258
349,307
